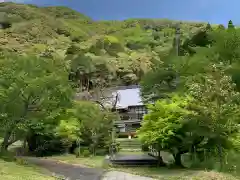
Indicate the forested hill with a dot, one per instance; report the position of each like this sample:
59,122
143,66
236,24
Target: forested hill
127,48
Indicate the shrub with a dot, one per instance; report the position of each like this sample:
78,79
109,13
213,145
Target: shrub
101,152
145,148
7,156
79,153
86,153
21,161
45,145
118,148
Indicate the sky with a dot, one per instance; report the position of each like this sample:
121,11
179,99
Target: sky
213,11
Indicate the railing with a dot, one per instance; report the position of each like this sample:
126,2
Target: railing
131,129
128,130
153,151
132,116
128,121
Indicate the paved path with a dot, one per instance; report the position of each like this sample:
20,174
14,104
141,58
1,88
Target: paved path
73,172
116,175
70,172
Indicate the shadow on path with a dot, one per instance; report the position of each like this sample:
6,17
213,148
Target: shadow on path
70,172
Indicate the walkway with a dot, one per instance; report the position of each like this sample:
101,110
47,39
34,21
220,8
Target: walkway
73,172
116,175
70,172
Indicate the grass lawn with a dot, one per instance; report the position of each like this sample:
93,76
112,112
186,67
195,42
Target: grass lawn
14,171
176,174
158,173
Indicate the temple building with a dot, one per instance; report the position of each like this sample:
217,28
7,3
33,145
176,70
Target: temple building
131,110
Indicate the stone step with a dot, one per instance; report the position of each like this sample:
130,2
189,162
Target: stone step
125,143
134,160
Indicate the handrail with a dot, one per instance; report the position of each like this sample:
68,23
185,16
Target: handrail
153,151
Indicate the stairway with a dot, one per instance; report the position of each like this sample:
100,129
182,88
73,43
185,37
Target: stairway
134,160
129,144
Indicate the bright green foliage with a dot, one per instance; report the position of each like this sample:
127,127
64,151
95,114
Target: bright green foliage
168,127
164,119
227,45
69,129
204,122
51,32
212,125
217,102
33,91
207,46
96,125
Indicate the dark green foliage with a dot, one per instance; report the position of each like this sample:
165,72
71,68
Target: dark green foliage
45,145
5,25
230,25
102,152
86,153
79,151
145,147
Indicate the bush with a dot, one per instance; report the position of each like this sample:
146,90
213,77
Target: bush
101,152
145,148
86,153
76,151
7,156
118,146
21,161
45,145
115,146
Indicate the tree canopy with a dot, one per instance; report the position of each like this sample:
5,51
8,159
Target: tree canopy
128,47
204,119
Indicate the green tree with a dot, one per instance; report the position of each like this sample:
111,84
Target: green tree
165,127
69,130
217,105
32,90
96,125
230,25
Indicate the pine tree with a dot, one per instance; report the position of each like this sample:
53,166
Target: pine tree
230,25
208,27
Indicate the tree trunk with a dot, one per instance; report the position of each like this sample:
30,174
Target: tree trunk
220,156
25,144
32,142
159,157
178,161
5,143
160,160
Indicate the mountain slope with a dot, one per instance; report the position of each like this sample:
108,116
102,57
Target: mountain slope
129,46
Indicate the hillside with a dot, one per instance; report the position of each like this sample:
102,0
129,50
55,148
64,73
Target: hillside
129,47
